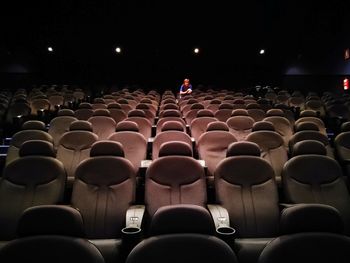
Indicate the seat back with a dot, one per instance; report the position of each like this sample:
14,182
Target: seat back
103,190
245,186
36,178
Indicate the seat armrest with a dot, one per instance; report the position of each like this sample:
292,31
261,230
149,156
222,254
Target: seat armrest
134,216
220,216
221,220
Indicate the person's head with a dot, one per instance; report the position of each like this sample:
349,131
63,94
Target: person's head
186,82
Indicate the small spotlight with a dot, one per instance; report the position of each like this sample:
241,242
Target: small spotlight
196,50
118,50
50,49
262,51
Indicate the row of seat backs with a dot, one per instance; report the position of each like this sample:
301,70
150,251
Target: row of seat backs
188,229
244,182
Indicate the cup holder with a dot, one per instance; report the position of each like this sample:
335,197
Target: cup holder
225,231
226,234
131,231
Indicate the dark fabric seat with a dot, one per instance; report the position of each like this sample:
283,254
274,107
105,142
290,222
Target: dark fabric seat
245,186
36,178
103,190
312,177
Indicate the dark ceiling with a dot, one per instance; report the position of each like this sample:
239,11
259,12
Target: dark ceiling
158,37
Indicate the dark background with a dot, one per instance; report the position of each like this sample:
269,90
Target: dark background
304,43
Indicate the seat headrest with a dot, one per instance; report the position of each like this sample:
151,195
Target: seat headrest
99,100
172,126
225,106
275,112
123,101
263,126
243,148
37,147
240,112
253,106
127,126
170,113
309,147
85,105
217,126
51,220
142,106
345,127
306,126
114,105
80,126
311,218
175,148
107,148
101,112
308,113
173,219
137,113
238,101
215,101
196,106
145,100
205,113
65,112
33,125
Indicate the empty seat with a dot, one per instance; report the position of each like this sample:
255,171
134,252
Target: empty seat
342,148
245,186
240,126
139,117
84,112
167,183
312,177
224,112
192,113
199,125
170,131
303,247
36,178
103,190
271,145
256,114
74,146
212,145
182,218
182,247
116,112
162,120
50,234
282,126
60,125
102,125
134,143
32,130
310,135
320,124
39,105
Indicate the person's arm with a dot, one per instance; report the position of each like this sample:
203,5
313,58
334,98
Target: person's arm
182,92
189,91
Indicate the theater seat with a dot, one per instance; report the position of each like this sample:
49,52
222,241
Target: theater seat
174,178
74,146
246,188
312,177
134,143
36,178
103,190
307,247
271,146
31,130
